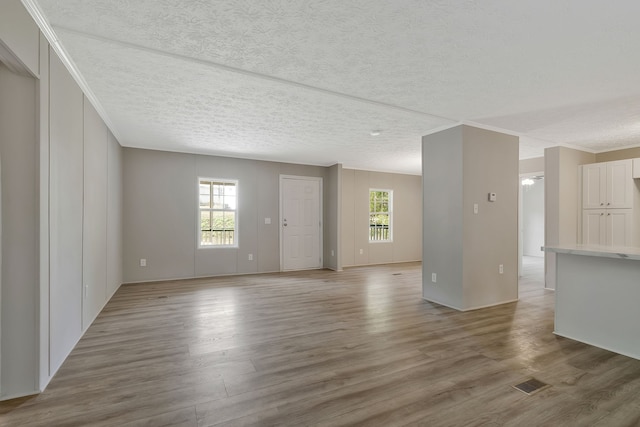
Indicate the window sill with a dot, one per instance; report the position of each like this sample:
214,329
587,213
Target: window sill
218,247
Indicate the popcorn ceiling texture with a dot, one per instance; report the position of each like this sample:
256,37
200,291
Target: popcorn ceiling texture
166,72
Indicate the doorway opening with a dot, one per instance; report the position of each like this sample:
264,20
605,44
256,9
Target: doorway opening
531,226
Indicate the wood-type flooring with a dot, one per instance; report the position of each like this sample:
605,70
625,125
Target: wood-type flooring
323,348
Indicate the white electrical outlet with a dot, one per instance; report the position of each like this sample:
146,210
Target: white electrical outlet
143,262
267,221
361,251
501,268
475,208
333,253
250,257
434,277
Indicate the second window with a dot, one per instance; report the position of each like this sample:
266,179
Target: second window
380,215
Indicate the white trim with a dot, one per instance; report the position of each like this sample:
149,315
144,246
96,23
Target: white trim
320,216
236,233
469,308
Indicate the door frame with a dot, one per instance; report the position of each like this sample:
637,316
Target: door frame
281,215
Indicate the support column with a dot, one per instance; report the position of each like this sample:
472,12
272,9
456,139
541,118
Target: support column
470,243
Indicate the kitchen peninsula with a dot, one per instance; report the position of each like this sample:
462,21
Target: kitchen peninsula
598,296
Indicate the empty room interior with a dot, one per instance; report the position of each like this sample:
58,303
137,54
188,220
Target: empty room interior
319,213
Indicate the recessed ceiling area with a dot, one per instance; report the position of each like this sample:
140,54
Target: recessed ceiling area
309,81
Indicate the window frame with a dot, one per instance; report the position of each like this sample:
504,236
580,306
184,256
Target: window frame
199,210
389,213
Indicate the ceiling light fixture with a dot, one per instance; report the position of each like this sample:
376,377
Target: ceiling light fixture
527,181
375,132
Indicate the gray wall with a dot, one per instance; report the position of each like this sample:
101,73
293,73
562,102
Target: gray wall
442,177
19,38
561,199
609,156
19,185
66,184
160,207
460,167
407,218
85,222
61,170
534,165
333,219
490,163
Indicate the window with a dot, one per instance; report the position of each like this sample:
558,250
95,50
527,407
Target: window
218,214
380,215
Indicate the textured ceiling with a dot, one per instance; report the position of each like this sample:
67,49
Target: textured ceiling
307,81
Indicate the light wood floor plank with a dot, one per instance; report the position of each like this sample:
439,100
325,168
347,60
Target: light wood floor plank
324,348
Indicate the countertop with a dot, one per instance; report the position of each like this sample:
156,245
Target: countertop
597,251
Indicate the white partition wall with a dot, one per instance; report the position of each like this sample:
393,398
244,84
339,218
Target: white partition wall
18,292
61,178
66,145
470,241
94,230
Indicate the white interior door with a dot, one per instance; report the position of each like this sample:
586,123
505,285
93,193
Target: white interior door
300,223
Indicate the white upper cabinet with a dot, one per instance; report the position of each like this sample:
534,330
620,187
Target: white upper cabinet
594,185
611,204
608,185
620,184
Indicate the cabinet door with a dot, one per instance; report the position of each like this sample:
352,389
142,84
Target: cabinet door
594,185
593,227
619,193
618,226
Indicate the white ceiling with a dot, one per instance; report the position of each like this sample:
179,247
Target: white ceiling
306,81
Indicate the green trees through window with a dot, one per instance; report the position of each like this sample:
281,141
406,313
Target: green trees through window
380,215
218,200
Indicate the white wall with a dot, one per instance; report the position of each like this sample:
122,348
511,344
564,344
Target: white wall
407,218
533,218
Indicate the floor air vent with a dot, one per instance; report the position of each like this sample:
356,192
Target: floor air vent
531,386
